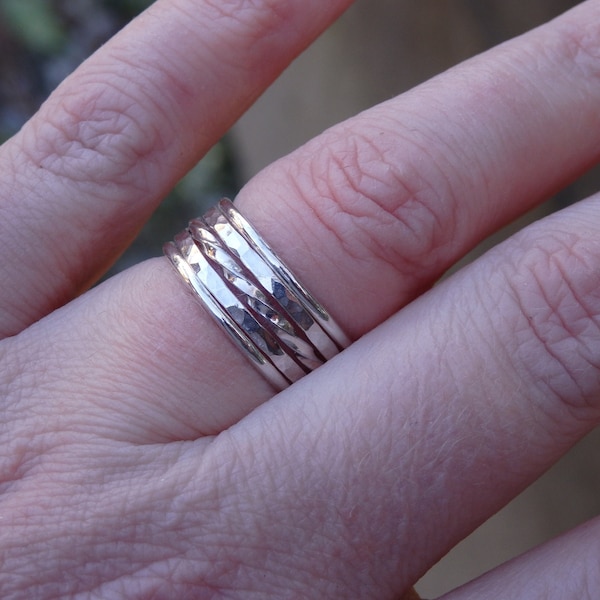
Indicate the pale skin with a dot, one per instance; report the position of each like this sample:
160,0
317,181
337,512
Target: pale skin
142,457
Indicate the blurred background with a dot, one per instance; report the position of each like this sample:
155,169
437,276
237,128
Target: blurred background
377,50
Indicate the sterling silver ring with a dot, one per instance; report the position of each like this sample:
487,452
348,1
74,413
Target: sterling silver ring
254,297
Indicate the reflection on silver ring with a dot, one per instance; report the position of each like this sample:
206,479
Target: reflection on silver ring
257,300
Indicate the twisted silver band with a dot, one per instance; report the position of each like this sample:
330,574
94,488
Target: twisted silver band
261,305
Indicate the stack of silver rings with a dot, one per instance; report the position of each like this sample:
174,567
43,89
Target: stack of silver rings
263,307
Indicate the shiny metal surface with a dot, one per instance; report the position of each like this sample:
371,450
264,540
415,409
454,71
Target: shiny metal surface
261,305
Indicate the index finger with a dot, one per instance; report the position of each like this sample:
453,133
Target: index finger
90,167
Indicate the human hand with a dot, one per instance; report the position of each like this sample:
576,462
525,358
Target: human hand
132,462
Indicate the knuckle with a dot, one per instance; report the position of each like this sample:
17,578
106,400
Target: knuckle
556,288
95,132
379,205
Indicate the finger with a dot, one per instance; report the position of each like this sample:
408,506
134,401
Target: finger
389,201
75,366
563,569
88,169
368,215
401,446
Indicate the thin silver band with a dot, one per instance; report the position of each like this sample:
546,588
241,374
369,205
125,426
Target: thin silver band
261,305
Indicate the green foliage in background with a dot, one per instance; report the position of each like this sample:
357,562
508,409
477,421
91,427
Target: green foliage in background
128,8
41,42
43,26
35,22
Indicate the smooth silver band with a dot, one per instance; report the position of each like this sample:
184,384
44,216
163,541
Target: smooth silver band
261,305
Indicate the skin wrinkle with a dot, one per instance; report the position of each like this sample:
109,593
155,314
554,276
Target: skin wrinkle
334,193
125,397
443,152
269,520
37,219
30,534
299,532
362,188
587,261
413,214
457,439
398,246
23,447
450,226
345,508
491,346
147,582
153,132
18,431
312,176
548,322
77,145
287,186
91,353
96,137
241,560
568,336
112,512
114,357
531,362
401,178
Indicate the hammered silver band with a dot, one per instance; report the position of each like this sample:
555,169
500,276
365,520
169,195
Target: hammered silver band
261,305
